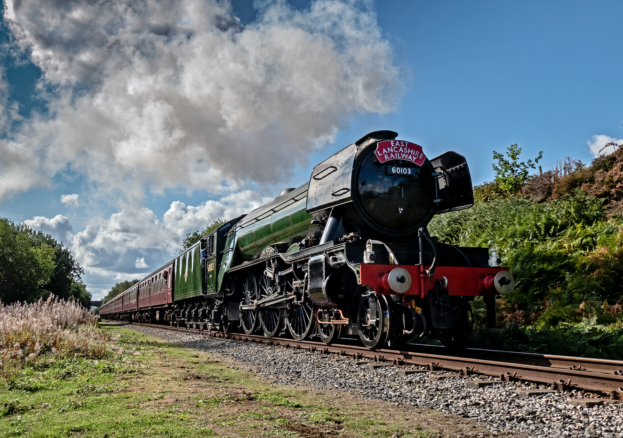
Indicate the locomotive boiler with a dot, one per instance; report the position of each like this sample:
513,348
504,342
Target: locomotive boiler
346,253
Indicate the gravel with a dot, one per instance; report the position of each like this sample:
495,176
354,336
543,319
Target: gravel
499,405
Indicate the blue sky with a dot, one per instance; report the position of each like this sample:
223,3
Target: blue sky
467,76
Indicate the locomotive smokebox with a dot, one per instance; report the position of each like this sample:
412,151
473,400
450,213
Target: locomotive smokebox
390,185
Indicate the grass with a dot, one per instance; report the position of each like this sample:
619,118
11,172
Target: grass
149,388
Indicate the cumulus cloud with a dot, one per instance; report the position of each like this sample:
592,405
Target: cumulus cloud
116,247
182,218
599,142
140,263
177,93
111,246
58,227
70,200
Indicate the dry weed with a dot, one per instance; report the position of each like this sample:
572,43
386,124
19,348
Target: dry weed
54,327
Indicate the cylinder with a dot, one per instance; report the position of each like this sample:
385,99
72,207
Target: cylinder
329,230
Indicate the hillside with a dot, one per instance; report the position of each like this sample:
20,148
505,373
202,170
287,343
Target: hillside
560,232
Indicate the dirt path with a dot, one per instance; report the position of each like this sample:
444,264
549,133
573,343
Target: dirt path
233,401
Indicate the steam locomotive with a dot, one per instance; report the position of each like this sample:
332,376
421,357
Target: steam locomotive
347,253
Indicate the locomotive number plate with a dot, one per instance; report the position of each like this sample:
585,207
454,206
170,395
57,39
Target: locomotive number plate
402,171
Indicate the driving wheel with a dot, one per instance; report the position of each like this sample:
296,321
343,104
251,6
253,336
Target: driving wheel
248,318
373,320
270,319
301,319
328,333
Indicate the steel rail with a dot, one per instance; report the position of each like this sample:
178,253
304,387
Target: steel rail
551,370
544,360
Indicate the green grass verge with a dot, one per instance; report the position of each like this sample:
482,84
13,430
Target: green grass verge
149,388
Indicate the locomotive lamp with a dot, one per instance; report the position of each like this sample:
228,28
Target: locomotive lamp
368,255
494,260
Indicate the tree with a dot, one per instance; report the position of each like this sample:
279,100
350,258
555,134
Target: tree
118,288
192,238
25,266
511,174
78,291
65,281
33,265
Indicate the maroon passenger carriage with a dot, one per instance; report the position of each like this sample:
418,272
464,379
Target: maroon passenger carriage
145,301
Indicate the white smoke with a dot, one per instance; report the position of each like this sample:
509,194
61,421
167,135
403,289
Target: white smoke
177,94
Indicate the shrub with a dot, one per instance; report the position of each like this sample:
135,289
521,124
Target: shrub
488,192
586,338
602,179
567,258
562,239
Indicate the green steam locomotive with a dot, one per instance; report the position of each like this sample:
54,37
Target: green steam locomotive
345,254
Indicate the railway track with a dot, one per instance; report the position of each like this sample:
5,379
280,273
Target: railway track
559,372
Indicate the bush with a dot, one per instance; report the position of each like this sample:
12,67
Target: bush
562,239
488,192
567,259
565,251
602,179
587,338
